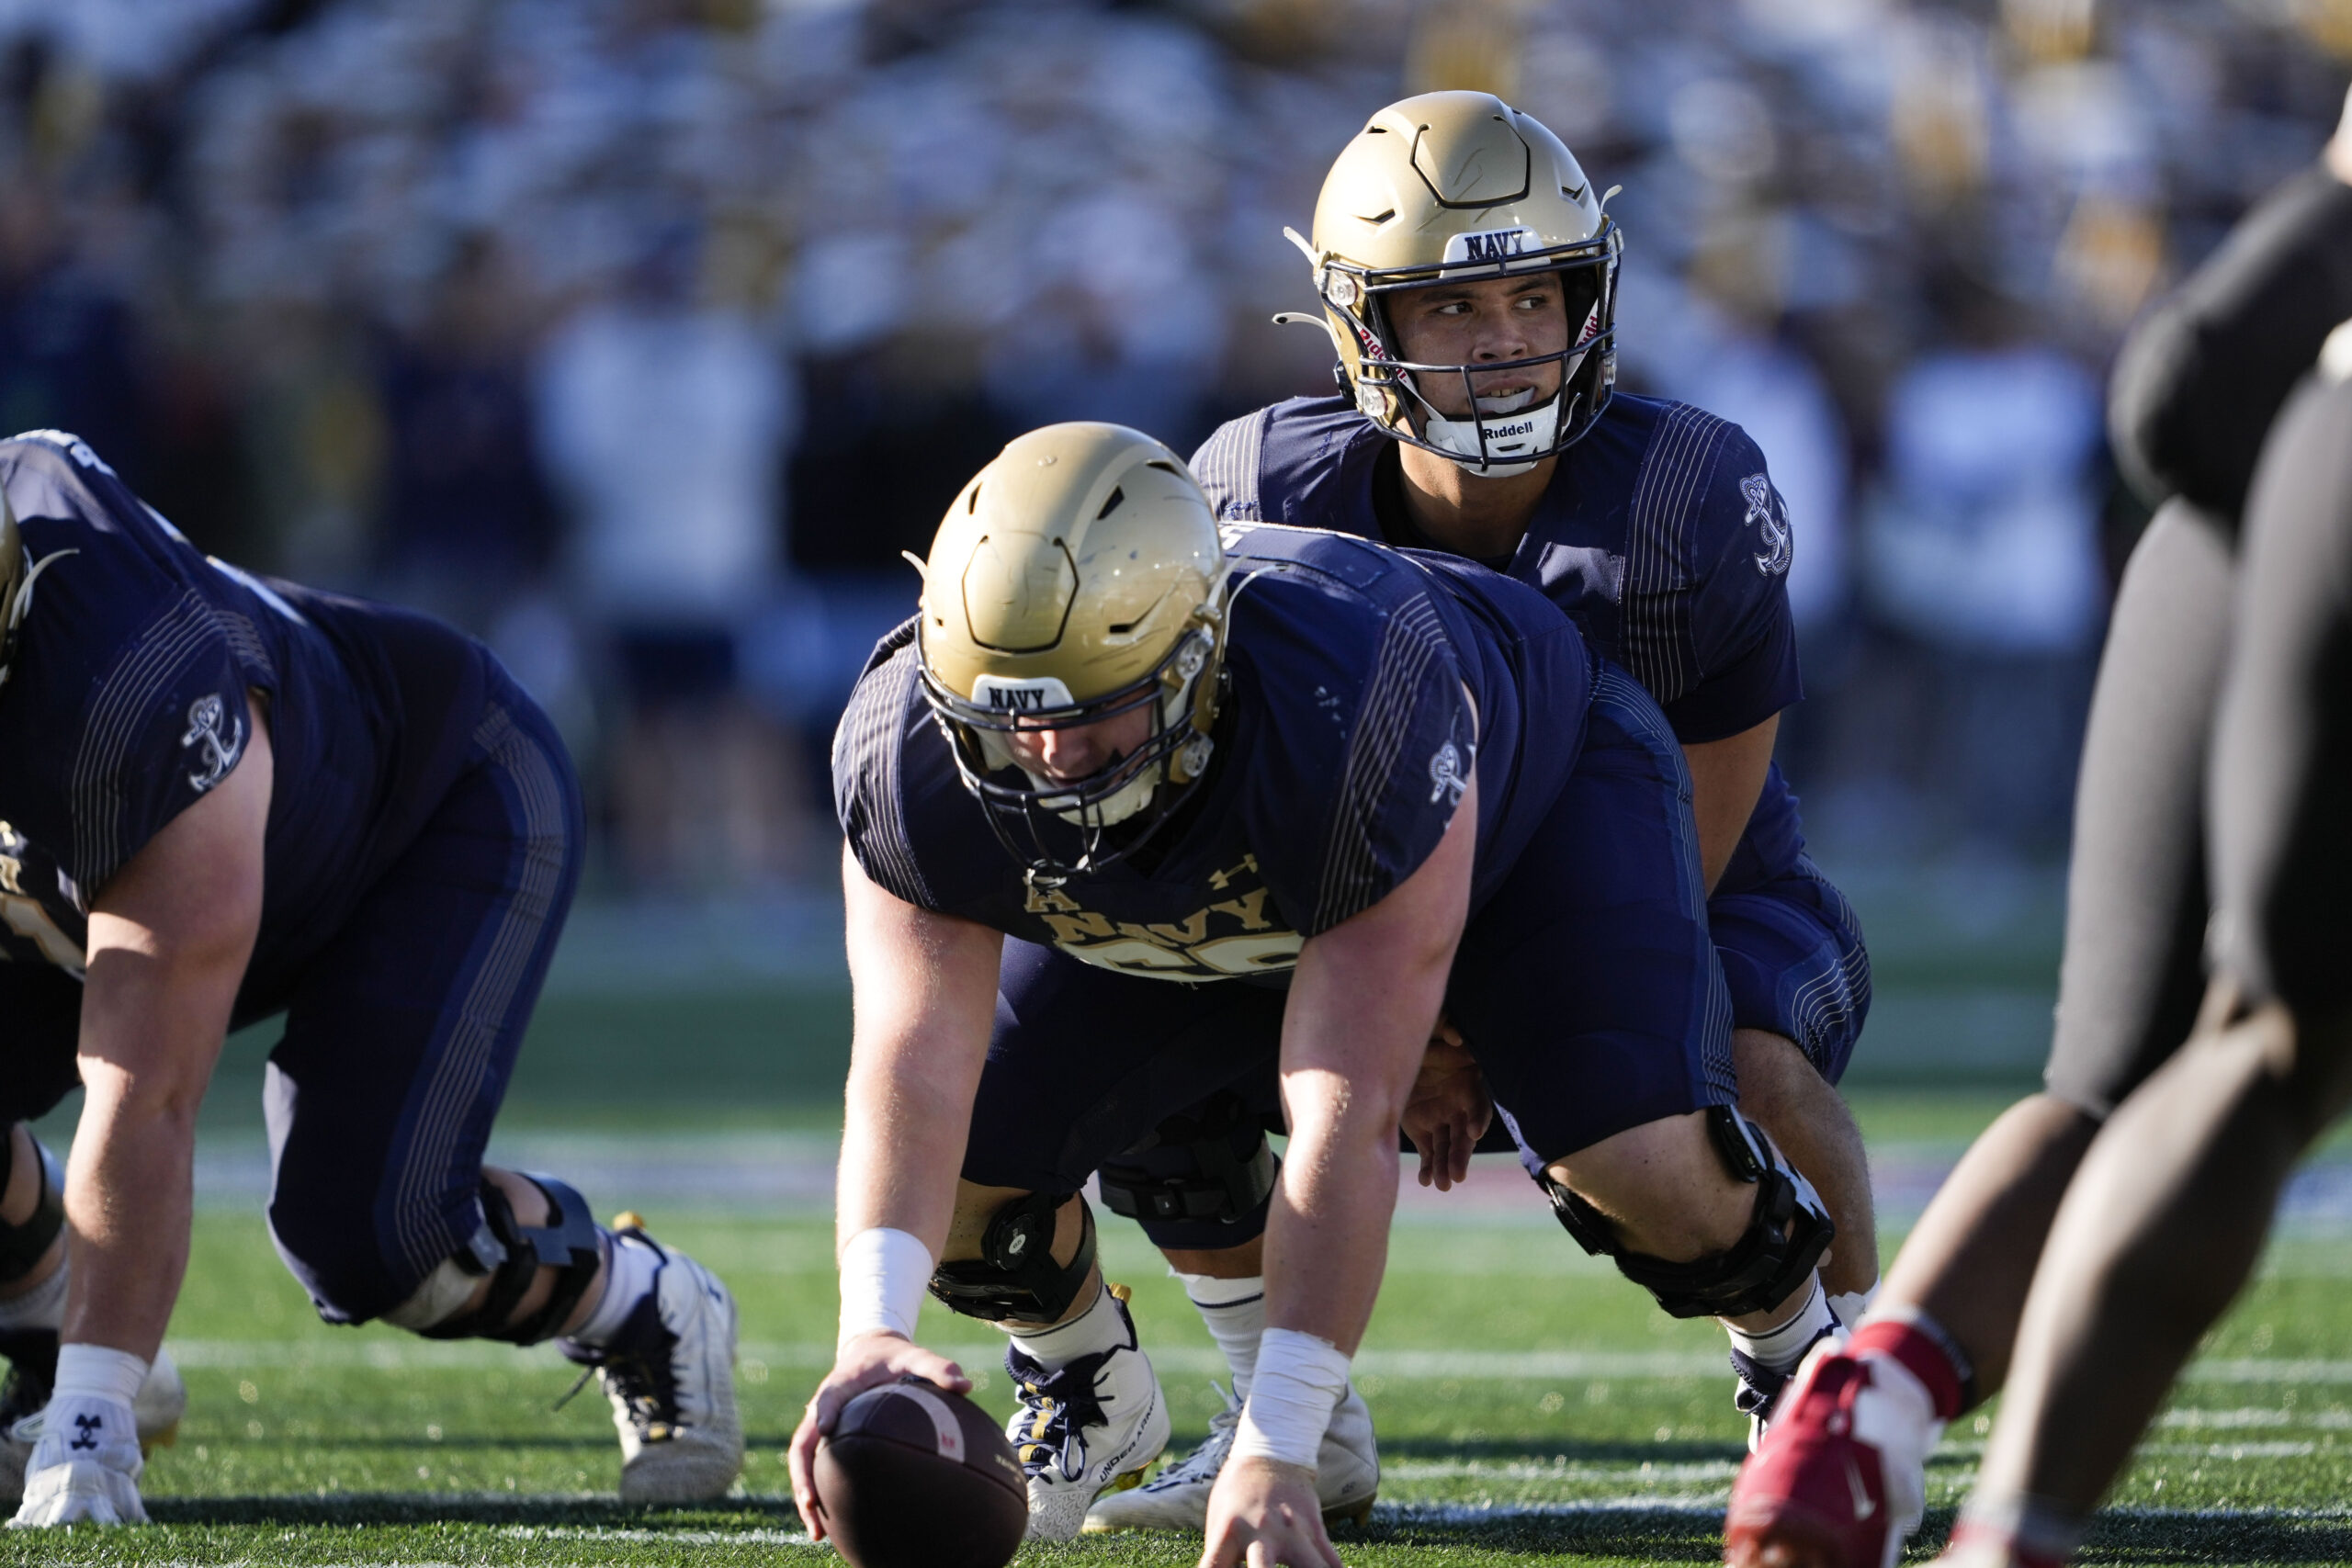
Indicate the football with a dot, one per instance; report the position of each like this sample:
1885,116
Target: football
912,1476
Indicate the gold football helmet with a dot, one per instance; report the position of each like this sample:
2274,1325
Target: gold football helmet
1449,187
1078,577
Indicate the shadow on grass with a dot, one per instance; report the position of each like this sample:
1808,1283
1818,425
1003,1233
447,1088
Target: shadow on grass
350,1508
1526,1451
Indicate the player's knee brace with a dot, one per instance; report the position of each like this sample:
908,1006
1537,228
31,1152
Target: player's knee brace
1015,1279
1786,1236
23,1246
568,1242
1216,1166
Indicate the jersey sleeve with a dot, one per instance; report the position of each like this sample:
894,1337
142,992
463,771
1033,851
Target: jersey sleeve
1742,634
1361,771
161,729
1227,466
869,750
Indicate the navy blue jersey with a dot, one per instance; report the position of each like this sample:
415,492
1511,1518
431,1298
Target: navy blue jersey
1660,533
128,701
1367,685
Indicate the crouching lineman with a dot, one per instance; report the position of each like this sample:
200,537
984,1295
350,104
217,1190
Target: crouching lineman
1392,781
224,799
1468,276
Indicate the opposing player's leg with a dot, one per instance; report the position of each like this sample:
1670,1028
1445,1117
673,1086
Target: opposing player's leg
1085,1065
1937,1339
400,1040
2167,1218
43,1007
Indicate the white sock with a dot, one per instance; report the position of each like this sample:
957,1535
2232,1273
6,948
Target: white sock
1850,1306
44,1306
1098,1328
95,1371
1235,1311
630,1268
1779,1349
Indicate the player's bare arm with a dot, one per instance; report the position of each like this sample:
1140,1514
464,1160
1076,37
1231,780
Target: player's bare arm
170,935
925,984
1727,777
1362,1006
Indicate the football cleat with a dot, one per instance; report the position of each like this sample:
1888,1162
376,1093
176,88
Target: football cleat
1840,1478
1092,1427
32,1366
1347,1477
84,1467
1757,1395
669,1374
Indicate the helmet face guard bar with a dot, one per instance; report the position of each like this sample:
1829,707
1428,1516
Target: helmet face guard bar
1588,364
1039,824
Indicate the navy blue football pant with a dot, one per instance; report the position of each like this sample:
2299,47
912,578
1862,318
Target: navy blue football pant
401,1031
1586,984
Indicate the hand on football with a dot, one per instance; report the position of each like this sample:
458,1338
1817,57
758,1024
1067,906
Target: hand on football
1263,1512
1449,1110
867,1361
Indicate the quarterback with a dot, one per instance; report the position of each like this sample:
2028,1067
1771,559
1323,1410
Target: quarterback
1467,274
1139,814
224,798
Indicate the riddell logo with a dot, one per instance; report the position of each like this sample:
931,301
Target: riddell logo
1505,432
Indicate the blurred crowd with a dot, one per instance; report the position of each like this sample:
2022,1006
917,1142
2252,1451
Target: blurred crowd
641,336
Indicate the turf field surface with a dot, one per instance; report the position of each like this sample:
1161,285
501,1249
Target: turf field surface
1534,1409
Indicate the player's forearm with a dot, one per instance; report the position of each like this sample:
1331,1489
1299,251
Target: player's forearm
902,1143
128,1197
1327,1240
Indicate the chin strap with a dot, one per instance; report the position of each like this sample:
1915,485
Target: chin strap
23,605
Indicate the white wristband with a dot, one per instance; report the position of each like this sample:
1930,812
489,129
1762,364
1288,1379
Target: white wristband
1299,1382
94,1371
883,1273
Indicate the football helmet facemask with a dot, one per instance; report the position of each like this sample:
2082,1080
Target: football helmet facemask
1452,187
1077,578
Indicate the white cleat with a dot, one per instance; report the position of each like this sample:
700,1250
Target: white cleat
84,1467
670,1377
161,1401
1090,1428
1347,1477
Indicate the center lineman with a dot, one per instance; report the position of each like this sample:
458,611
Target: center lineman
1327,788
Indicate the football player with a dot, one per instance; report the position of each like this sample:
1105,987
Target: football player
224,798
1467,274
1324,788
2195,392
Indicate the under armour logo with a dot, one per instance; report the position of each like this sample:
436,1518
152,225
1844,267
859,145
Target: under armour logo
88,1430
219,753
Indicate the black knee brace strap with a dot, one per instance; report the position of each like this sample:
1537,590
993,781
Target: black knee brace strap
1786,1236
568,1241
23,1246
1015,1279
1233,1167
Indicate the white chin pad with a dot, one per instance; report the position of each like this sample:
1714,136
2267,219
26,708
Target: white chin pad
1515,439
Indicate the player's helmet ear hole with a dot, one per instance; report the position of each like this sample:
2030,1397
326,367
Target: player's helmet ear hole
1111,505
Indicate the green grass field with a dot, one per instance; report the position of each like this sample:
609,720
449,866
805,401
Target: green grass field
1534,1409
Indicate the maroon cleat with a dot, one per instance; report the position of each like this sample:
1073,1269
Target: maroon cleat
1841,1477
